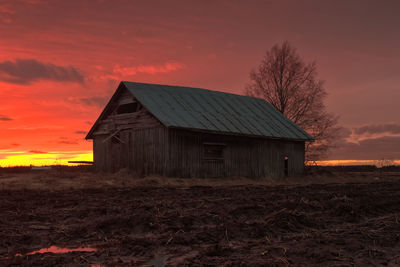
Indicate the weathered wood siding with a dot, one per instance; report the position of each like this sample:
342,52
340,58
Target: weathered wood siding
127,140
142,151
141,119
178,153
243,156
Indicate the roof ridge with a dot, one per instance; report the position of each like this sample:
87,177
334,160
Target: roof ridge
190,87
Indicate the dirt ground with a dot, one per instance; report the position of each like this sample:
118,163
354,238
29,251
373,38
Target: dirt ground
157,222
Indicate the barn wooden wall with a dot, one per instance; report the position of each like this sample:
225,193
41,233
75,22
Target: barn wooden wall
243,156
179,153
141,150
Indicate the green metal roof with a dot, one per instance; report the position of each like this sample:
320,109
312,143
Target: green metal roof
206,110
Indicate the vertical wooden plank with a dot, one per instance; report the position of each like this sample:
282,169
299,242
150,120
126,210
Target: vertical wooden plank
130,150
180,154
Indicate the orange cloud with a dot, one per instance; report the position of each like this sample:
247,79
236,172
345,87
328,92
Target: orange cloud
37,152
148,69
6,9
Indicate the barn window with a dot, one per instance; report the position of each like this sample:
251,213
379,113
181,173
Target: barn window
127,108
213,151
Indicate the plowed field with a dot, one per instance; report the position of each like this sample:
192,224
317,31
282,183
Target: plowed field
336,224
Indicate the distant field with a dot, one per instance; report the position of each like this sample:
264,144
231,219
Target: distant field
81,177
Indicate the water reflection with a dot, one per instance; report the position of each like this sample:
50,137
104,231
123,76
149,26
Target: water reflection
55,249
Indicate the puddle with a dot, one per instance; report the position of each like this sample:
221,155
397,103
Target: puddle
56,250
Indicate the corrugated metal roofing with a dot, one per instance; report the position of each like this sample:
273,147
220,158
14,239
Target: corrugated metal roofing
201,109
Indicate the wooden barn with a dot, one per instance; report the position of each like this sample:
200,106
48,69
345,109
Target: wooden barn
191,132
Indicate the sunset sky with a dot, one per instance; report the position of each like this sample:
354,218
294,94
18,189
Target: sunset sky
60,61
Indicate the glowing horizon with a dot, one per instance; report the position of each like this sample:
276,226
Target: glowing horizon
20,159
377,162
44,159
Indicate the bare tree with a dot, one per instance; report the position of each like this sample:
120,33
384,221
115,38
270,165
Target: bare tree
292,87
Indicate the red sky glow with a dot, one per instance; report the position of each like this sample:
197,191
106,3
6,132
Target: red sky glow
60,61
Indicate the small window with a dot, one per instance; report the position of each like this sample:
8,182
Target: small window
127,108
214,151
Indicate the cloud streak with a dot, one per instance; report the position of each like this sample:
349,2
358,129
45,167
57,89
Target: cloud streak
37,152
5,118
380,128
386,147
148,69
96,101
368,142
373,131
6,9
6,13
27,71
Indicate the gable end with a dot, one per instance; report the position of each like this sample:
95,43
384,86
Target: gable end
123,112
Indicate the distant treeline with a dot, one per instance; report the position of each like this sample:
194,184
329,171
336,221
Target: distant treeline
355,168
90,168
23,169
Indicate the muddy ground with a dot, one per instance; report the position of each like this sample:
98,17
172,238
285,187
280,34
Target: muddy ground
325,225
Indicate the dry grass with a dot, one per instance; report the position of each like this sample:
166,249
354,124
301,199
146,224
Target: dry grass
61,180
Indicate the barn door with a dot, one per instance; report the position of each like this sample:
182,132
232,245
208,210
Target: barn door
119,150
213,159
115,156
124,153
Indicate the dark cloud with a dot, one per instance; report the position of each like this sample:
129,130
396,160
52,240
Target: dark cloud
387,147
5,118
8,146
392,128
67,141
368,142
37,152
80,132
343,133
26,71
96,101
